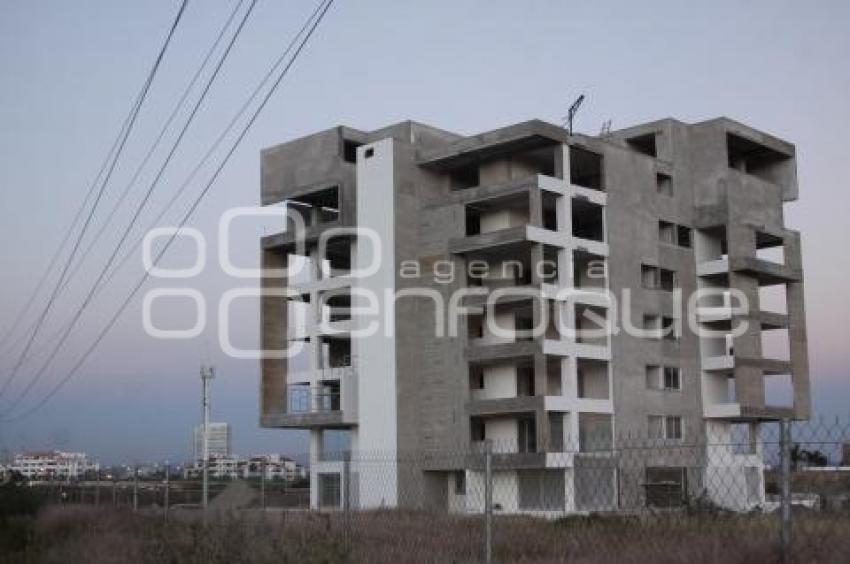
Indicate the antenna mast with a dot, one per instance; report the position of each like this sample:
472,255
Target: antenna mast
571,113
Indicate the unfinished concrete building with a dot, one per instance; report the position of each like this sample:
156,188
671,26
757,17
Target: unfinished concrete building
633,216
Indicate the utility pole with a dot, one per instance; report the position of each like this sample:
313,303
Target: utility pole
263,483
207,374
165,500
135,488
488,502
785,489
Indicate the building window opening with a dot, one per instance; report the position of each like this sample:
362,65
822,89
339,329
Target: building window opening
586,168
644,144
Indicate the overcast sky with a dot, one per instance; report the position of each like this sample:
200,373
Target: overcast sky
70,69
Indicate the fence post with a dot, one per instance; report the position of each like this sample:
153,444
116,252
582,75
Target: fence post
136,487
165,501
346,499
488,501
785,489
263,484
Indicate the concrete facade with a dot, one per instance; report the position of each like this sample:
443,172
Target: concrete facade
555,245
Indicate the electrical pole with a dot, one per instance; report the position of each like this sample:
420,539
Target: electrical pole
263,483
207,374
167,484
135,488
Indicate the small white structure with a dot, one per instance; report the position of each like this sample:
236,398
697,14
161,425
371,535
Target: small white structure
275,466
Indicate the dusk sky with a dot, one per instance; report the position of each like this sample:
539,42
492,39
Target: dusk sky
70,70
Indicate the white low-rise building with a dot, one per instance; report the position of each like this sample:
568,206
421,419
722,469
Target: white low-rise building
54,465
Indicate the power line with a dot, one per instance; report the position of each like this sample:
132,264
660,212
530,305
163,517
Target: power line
78,313
54,260
124,136
63,241
191,176
126,191
321,10
159,138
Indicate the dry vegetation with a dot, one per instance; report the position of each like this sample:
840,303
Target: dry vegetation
92,535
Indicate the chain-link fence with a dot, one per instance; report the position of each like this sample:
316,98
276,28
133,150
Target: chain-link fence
161,495
740,493
744,492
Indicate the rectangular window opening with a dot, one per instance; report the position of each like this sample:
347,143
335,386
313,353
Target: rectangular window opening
588,220
664,184
464,177
644,144
586,168
349,150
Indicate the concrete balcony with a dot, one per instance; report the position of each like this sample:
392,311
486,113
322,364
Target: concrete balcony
736,412
728,362
724,313
479,406
322,398
481,351
713,268
521,236
767,272
718,363
580,405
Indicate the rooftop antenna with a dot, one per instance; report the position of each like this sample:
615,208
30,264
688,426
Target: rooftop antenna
571,113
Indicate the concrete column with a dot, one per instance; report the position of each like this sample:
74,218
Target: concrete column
797,336
536,259
799,350
535,207
315,454
562,162
273,319
541,423
540,380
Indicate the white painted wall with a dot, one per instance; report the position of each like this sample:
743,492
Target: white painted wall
503,432
732,480
502,219
499,382
375,355
505,322
505,492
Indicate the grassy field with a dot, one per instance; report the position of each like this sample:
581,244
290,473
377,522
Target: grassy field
57,534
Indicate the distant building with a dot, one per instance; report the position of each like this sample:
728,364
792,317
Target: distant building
218,442
54,465
845,455
276,467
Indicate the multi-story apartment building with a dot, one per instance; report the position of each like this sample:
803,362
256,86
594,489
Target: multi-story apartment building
542,238
54,465
218,440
